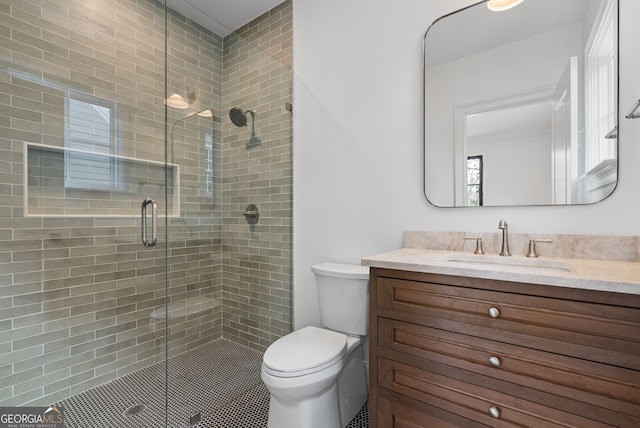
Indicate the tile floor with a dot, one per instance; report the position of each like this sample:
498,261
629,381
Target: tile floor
221,380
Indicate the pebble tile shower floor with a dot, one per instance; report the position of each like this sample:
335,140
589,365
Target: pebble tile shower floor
220,379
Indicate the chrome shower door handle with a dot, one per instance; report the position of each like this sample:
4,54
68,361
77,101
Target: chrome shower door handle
154,226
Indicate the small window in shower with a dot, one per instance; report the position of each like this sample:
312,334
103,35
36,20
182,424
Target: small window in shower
474,181
208,159
93,160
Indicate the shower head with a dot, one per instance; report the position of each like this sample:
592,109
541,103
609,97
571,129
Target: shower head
239,117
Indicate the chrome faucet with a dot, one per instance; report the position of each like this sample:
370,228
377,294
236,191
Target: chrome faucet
502,225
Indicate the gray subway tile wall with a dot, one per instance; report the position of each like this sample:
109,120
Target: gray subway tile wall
257,258
77,294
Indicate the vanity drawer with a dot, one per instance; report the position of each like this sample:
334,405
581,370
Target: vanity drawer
394,411
614,390
471,401
580,329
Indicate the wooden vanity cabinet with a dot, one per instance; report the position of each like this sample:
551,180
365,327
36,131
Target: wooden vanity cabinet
449,351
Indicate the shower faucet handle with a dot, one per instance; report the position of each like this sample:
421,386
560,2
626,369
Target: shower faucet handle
251,214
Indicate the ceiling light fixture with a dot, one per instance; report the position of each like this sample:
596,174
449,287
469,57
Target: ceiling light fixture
178,101
500,5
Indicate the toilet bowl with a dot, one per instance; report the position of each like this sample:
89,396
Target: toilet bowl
305,385
316,376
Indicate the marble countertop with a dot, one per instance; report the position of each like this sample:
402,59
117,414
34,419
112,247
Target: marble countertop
602,275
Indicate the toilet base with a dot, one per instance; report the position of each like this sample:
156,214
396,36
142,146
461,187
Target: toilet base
352,386
317,412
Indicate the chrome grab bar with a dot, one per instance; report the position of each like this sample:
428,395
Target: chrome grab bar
154,226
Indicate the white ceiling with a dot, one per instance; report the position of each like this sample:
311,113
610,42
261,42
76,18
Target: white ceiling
222,16
476,28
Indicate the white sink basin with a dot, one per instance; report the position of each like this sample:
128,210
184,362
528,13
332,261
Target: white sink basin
512,264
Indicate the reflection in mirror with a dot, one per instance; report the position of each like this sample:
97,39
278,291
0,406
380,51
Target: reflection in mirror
521,105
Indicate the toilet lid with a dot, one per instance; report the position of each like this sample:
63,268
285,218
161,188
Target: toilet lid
305,349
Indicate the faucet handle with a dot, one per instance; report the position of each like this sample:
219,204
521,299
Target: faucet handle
532,246
478,240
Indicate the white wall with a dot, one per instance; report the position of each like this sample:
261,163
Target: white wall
517,169
358,140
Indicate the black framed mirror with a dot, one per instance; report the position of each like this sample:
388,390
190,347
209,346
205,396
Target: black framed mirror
521,106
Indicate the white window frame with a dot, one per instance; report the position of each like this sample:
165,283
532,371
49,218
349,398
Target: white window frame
600,87
80,151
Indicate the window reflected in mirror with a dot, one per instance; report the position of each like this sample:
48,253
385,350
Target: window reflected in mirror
474,181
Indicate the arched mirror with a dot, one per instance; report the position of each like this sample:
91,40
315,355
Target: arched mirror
521,106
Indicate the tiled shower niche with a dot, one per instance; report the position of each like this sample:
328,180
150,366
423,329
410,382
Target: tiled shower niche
104,185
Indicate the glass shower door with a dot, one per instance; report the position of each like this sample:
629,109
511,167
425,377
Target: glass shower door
106,105
83,139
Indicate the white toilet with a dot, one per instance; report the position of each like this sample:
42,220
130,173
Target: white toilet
317,376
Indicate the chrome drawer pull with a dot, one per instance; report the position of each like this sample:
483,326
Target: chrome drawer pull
494,312
493,411
494,361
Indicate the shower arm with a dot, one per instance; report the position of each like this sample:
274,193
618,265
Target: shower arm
253,122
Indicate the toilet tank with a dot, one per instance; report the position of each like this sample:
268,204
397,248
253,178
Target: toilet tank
343,297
